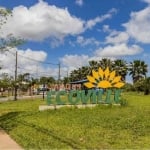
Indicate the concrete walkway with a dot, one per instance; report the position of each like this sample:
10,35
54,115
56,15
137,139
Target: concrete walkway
7,143
10,98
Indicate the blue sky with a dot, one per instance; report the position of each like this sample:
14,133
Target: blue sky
73,32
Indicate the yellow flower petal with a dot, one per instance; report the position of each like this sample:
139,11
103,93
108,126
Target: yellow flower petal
112,75
95,74
119,85
116,79
89,85
104,79
101,73
106,72
104,84
91,79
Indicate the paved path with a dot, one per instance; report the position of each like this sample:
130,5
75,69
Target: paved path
7,143
2,99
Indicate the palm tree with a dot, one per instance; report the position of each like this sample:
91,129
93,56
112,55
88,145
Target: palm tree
93,65
74,75
80,73
138,70
85,71
121,68
104,63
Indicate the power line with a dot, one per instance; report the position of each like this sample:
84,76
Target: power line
29,58
34,73
39,61
32,70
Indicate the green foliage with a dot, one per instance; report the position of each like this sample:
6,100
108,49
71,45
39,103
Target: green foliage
9,40
138,70
142,85
123,102
4,13
101,127
146,85
121,68
129,87
47,80
139,85
5,81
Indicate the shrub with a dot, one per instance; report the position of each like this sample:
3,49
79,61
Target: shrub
129,87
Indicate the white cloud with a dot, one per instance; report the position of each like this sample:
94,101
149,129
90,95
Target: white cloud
36,54
118,50
26,63
106,28
29,61
41,21
91,23
138,26
147,1
110,51
74,61
79,2
117,37
87,41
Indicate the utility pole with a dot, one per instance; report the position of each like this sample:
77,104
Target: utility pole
59,76
16,65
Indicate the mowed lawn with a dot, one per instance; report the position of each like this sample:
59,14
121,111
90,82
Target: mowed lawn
101,127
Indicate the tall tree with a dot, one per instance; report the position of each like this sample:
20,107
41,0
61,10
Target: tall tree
105,62
121,68
93,65
6,82
80,73
138,70
9,40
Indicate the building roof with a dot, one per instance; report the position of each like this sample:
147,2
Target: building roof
79,81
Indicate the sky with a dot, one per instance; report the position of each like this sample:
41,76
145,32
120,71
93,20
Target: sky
73,32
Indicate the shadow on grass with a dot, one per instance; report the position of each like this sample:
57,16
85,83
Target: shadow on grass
70,142
11,120
8,121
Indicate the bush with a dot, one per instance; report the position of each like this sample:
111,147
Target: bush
123,102
139,85
129,87
146,86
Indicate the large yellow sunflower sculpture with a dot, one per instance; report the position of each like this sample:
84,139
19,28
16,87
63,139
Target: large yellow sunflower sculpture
104,79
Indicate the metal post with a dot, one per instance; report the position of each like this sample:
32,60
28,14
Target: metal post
43,90
59,76
15,95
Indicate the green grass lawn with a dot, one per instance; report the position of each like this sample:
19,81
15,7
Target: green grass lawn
101,127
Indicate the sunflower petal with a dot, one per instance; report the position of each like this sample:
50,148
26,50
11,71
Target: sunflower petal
116,79
119,85
106,72
91,79
104,84
89,85
101,73
112,75
95,74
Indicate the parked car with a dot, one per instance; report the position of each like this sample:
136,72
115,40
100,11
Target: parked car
42,90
